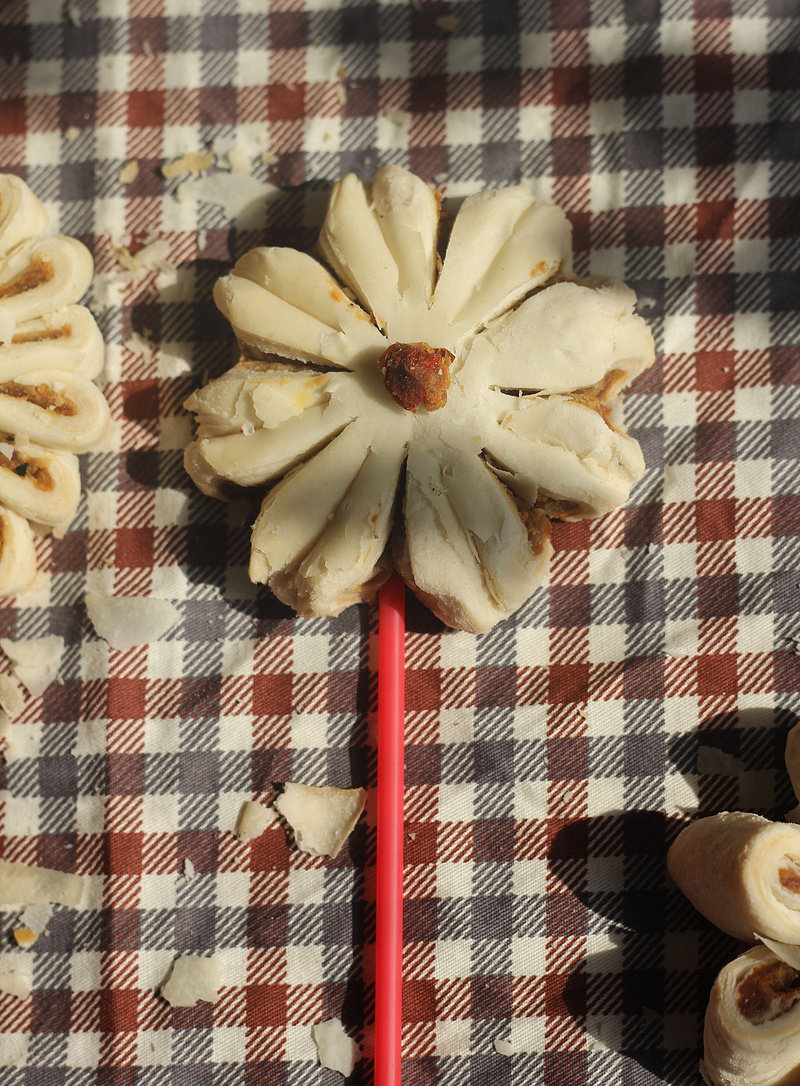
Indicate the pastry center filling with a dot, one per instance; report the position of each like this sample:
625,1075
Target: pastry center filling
27,468
767,991
789,876
39,271
62,332
40,396
416,374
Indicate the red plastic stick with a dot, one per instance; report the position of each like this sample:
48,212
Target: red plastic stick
389,880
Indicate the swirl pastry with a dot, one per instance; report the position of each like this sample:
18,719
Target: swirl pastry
742,872
752,1024
50,349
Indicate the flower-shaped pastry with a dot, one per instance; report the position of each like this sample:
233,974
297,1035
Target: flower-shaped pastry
427,414
50,348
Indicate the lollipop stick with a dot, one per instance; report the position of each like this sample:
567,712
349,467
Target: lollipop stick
389,880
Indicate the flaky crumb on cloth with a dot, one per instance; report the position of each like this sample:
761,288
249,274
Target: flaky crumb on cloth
321,818
24,884
424,414
253,820
125,621
239,196
20,740
152,257
25,937
16,974
335,1050
192,979
192,162
12,698
504,1047
129,172
35,661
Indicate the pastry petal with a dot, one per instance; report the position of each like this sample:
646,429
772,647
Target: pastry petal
568,337
563,455
298,511
255,459
407,211
22,215
283,302
468,552
503,245
247,398
382,244
346,564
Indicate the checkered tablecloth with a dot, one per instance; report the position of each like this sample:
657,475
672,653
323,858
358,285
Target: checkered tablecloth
549,762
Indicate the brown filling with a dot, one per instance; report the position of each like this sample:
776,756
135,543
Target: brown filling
40,396
561,508
27,469
767,991
789,879
417,374
38,271
596,396
590,397
62,332
538,526
604,389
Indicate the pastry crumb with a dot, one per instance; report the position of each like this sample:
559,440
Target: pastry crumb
321,818
192,979
129,172
190,163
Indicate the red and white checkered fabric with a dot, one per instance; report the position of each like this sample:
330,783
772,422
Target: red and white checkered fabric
549,762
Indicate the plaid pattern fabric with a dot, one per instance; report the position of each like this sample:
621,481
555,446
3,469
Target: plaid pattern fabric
549,762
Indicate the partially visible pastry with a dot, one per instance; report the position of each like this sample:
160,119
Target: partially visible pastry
742,872
752,1025
50,349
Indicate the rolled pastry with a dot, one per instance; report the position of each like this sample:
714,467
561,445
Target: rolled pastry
752,1025
22,215
17,553
41,485
64,339
43,274
742,872
793,767
55,408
